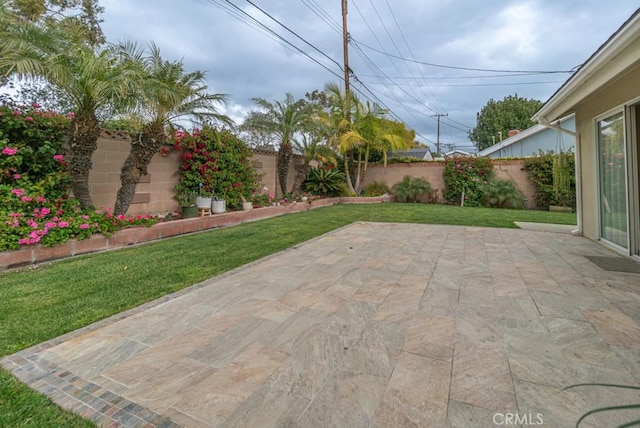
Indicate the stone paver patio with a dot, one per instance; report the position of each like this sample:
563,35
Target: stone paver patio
373,325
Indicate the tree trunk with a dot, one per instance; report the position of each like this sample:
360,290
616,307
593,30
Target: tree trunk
285,152
363,173
348,174
143,148
83,134
358,184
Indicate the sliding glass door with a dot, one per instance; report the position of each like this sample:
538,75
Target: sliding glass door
612,168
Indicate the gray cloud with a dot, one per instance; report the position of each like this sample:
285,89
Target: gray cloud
504,34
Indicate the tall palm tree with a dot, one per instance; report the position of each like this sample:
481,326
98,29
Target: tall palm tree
166,94
91,78
283,119
367,131
337,120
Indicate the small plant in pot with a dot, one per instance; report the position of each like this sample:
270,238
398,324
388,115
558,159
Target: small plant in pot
203,201
187,199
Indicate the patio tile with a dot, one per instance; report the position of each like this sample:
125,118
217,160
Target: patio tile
374,325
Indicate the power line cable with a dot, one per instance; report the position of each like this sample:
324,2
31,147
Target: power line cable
488,70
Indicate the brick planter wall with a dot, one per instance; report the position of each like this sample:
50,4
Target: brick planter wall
133,236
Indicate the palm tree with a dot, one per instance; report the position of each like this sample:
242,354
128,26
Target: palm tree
368,131
337,121
92,79
283,119
166,94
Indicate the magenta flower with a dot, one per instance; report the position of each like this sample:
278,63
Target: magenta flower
16,176
85,217
63,224
9,151
28,119
58,158
26,199
41,200
45,211
50,224
32,224
84,226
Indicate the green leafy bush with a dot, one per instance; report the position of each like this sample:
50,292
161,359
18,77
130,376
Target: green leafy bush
502,194
542,168
411,188
325,182
466,174
376,188
218,163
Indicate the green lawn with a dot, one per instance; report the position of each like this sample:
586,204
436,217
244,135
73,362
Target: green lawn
43,303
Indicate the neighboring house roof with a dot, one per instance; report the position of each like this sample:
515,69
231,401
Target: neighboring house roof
520,136
418,152
604,65
457,152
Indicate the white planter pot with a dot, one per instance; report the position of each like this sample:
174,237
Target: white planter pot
247,206
203,203
218,207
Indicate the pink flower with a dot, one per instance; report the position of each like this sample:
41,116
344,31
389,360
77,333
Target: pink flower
59,212
32,224
35,105
9,151
33,234
17,112
71,114
26,199
63,224
15,215
121,217
50,224
41,199
45,211
16,176
85,217
84,226
28,119
58,158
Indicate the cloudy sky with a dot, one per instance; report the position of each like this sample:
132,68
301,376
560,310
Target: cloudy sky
412,56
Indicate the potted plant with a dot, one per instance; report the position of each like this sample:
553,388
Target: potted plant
218,206
246,205
204,199
187,199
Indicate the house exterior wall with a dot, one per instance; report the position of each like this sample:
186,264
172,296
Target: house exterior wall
155,191
546,140
623,90
512,169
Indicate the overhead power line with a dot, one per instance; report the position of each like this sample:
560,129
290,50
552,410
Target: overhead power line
488,70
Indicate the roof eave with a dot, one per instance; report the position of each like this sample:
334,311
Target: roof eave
576,89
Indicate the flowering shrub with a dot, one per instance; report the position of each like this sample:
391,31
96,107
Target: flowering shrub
32,143
218,163
541,169
468,174
29,218
34,204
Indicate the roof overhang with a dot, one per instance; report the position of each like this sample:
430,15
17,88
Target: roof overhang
607,63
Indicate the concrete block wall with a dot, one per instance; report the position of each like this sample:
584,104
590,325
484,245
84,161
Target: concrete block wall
154,193
432,172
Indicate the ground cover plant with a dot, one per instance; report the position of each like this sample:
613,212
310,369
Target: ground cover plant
42,303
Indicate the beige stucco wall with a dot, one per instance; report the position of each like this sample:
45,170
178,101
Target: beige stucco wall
624,89
432,172
154,193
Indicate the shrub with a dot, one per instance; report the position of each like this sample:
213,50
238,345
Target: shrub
541,168
376,188
466,174
325,182
411,188
502,194
218,163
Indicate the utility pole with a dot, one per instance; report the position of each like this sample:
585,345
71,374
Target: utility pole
438,115
345,41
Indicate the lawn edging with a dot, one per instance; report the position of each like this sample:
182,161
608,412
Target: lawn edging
39,254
